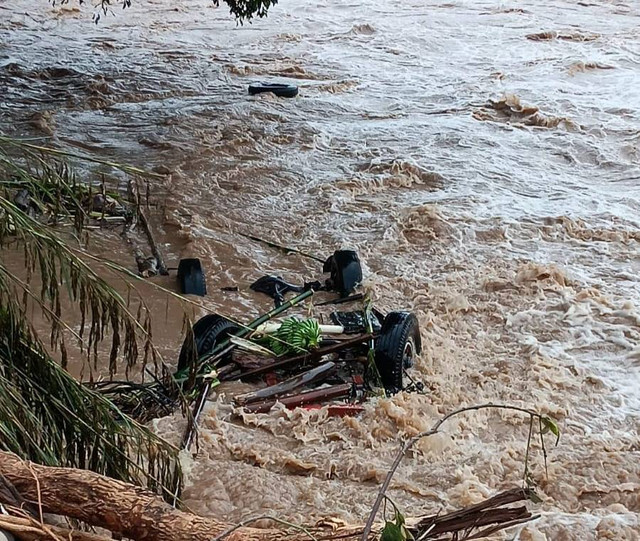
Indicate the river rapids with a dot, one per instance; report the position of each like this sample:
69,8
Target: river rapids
481,156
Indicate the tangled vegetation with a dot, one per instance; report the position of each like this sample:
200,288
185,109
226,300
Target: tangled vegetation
47,416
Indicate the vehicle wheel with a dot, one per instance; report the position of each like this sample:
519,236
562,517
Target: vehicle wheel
281,90
208,332
397,346
191,277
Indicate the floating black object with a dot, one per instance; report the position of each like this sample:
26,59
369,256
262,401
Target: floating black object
208,332
275,287
354,322
346,272
284,91
191,277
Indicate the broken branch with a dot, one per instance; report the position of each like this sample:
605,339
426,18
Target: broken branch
412,441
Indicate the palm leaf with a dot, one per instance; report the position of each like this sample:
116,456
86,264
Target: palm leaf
60,267
47,416
52,419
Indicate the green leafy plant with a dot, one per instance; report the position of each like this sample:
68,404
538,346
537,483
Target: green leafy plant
396,529
549,425
50,418
294,336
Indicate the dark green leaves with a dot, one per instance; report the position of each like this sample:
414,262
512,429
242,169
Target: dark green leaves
52,196
245,10
45,415
396,530
50,418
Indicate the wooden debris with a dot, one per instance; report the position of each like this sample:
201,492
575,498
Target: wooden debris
311,376
303,357
137,514
341,390
162,267
491,512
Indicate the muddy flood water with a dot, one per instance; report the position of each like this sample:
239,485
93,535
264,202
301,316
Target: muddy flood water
481,156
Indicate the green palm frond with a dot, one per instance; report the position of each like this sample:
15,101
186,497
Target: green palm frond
52,186
25,147
46,415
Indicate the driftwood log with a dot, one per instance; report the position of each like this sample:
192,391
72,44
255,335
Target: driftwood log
119,507
30,529
137,514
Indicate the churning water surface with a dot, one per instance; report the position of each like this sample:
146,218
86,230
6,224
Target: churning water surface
482,157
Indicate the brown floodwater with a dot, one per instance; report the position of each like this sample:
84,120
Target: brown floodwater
481,156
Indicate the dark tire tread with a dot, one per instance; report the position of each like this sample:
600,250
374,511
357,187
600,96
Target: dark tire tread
207,332
191,277
397,329
280,90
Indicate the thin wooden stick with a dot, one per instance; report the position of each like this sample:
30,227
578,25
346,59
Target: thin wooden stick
35,477
162,267
493,529
411,442
29,530
285,249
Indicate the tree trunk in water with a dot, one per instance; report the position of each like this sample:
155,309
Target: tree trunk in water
119,507
140,515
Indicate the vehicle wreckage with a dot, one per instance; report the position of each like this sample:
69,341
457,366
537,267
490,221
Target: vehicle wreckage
348,352
339,357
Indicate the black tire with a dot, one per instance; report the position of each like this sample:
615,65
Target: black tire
191,277
283,91
208,332
396,347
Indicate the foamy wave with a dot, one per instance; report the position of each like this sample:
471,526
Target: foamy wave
580,67
424,223
388,175
362,30
566,36
509,109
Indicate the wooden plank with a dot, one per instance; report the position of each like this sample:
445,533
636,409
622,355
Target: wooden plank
299,359
310,397
288,386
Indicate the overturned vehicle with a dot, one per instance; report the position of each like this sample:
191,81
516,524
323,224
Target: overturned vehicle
347,352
